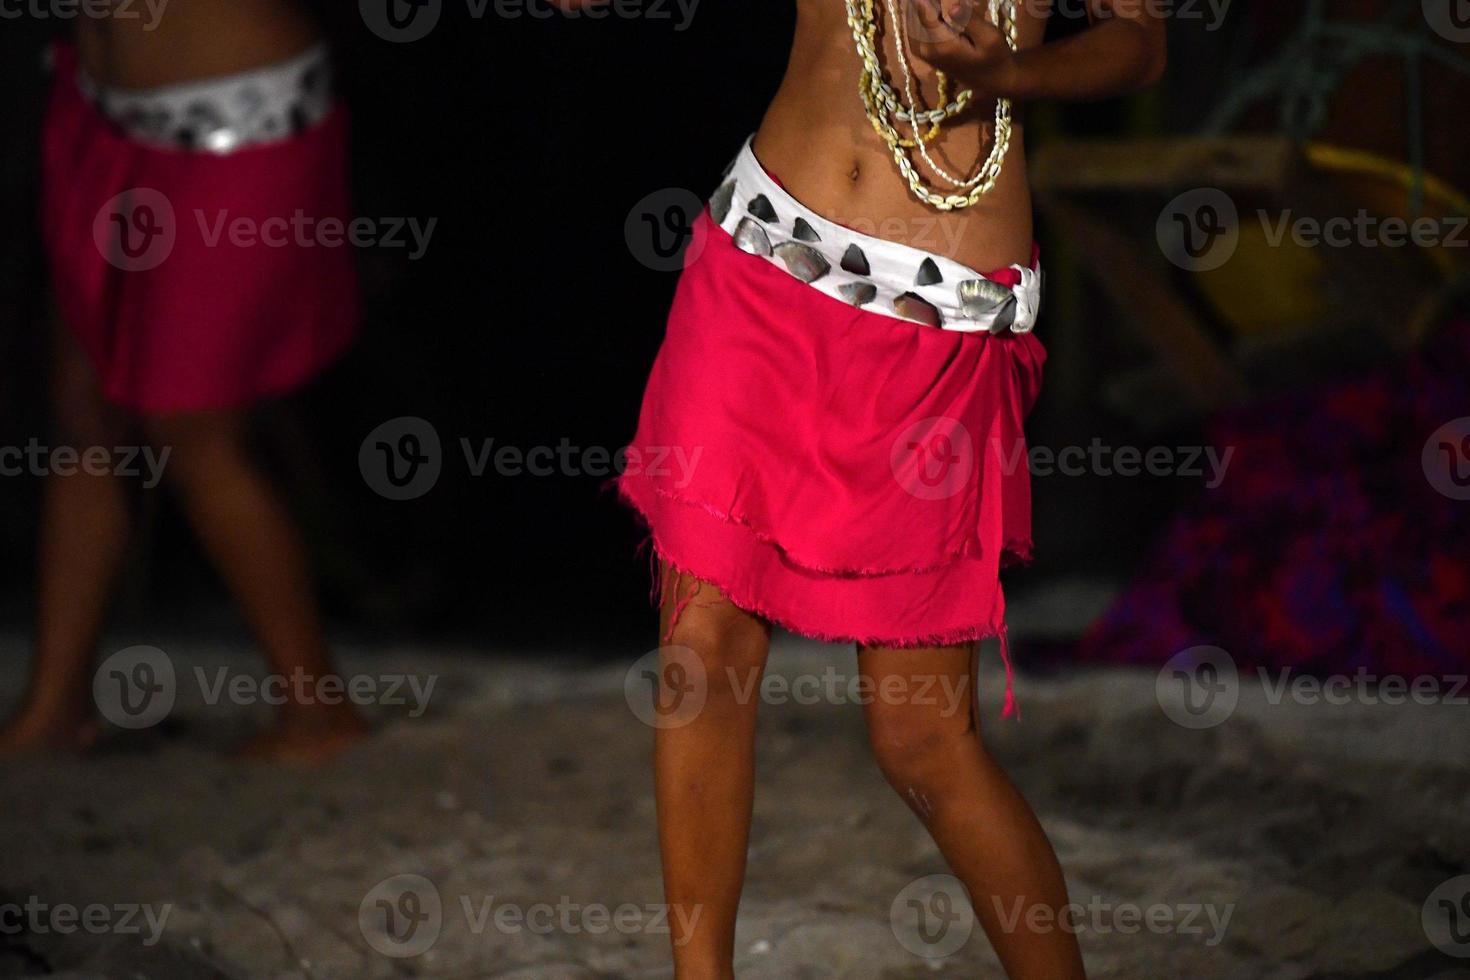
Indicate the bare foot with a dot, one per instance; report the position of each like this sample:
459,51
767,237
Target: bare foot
305,741
31,732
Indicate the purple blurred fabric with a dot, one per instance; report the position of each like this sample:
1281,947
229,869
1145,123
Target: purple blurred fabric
1326,548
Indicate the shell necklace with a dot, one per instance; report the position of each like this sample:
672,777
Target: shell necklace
881,102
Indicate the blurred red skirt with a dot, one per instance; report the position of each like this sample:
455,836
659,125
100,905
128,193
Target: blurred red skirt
196,280
845,473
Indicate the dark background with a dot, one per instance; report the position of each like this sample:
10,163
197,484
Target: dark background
530,320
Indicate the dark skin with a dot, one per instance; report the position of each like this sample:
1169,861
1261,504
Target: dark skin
817,139
1124,50
191,39
239,517
932,756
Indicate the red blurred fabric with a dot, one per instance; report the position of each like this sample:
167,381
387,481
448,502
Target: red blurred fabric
215,325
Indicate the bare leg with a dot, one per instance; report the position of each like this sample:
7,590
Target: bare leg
705,775
83,540
930,750
253,541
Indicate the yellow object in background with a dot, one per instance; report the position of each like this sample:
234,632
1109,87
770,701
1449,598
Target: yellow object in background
1267,288
1274,284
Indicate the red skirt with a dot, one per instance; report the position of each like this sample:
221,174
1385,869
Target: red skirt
183,315
845,473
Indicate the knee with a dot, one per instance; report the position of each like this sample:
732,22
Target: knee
81,416
198,445
916,747
728,644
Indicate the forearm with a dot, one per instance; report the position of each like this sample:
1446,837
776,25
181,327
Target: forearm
1115,57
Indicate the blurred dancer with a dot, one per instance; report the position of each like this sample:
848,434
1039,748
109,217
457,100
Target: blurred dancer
855,390
162,137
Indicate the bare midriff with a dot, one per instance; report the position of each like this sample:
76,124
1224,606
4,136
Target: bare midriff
191,40
817,140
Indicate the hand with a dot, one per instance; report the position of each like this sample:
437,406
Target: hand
954,37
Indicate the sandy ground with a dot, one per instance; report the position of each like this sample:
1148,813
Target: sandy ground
510,831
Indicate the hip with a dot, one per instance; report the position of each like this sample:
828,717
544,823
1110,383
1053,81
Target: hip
866,271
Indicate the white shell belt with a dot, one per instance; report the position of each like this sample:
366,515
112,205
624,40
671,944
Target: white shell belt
872,273
225,114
